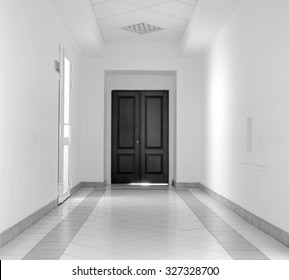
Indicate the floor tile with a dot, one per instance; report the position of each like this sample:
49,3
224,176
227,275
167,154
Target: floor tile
52,245
246,255
14,250
11,257
42,254
126,223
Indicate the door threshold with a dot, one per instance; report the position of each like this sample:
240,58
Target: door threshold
140,186
148,184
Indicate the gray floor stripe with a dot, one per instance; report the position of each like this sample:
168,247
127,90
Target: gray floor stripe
238,247
53,245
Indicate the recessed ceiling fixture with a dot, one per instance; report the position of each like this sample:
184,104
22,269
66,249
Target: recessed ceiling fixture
142,28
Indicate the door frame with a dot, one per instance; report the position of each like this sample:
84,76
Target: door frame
139,74
62,140
141,150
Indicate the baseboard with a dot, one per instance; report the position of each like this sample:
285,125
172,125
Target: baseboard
75,188
179,185
93,184
275,232
10,233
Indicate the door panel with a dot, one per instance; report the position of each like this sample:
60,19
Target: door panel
154,148
153,121
126,122
139,136
126,164
125,134
154,164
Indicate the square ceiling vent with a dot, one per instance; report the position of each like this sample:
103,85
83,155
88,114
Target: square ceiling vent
142,28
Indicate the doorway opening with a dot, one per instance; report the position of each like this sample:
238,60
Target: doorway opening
140,80
139,136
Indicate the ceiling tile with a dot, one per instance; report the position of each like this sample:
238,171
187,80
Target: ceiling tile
101,15
116,34
170,35
144,3
95,2
139,38
191,2
186,15
162,36
145,37
171,15
115,7
179,28
172,7
142,15
115,22
133,38
167,22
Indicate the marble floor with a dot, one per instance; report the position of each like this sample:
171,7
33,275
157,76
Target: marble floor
143,223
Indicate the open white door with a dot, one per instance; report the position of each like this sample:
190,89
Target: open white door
64,180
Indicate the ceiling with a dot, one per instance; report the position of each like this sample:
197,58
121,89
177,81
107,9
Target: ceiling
91,22
144,20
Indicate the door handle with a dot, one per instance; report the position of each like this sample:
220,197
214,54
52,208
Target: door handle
137,140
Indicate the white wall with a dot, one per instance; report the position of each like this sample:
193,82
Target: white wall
143,57
30,36
188,134
92,155
246,75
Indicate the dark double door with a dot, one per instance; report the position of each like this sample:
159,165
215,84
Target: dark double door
139,136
